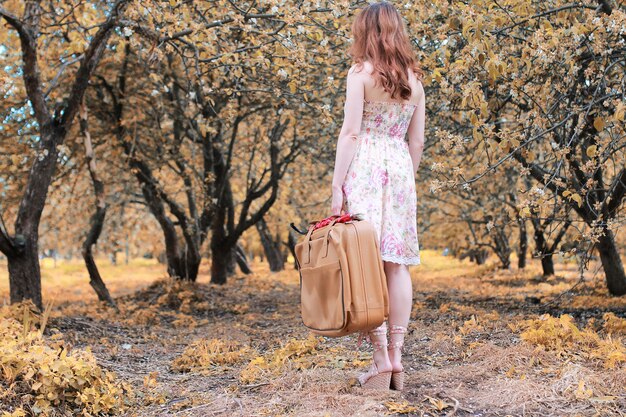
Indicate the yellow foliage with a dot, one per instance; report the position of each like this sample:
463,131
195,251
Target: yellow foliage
470,325
599,123
184,320
302,354
49,373
209,355
582,392
561,335
613,324
399,407
150,380
253,370
145,316
439,404
591,151
297,350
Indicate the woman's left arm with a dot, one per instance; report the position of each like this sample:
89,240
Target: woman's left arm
415,130
346,144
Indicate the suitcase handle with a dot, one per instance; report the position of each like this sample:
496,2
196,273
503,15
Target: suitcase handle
327,238
307,258
325,247
293,226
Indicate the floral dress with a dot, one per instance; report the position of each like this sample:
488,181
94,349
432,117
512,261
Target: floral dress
380,183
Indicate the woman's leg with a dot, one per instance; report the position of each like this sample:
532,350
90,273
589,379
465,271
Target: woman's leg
400,304
378,337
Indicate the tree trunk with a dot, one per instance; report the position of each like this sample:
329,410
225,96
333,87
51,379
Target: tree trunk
547,263
481,256
240,257
271,247
126,251
231,267
97,220
95,280
222,248
612,264
183,261
221,259
23,258
180,266
542,250
191,265
24,272
226,230
502,249
523,245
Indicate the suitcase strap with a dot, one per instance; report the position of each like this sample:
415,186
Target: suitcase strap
307,257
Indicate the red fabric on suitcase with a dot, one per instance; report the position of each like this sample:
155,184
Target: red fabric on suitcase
342,219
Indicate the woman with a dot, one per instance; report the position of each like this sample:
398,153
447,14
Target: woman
375,167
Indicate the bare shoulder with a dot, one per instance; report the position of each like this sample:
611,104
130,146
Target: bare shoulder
364,69
420,87
356,76
417,86
369,67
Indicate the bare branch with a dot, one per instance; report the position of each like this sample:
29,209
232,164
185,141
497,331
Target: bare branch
30,68
90,61
616,195
6,244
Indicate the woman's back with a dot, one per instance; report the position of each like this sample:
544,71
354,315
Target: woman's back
387,122
375,93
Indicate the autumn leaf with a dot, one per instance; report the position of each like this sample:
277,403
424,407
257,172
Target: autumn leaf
577,198
599,123
591,151
403,407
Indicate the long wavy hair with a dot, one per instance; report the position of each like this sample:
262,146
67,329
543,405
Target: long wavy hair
380,36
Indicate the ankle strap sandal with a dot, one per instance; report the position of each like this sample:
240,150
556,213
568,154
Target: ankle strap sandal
397,378
373,378
378,331
395,329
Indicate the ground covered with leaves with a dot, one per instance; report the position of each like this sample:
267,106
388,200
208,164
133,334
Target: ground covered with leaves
481,342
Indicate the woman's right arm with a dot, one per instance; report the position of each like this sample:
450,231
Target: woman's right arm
346,144
416,130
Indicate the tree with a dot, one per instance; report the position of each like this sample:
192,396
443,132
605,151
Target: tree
272,246
540,84
224,122
97,220
543,249
52,125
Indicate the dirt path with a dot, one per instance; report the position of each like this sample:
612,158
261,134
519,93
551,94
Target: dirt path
464,354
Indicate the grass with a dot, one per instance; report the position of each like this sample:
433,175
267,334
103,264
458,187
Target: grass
68,280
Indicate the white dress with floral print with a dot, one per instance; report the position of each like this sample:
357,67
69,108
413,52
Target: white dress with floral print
380,183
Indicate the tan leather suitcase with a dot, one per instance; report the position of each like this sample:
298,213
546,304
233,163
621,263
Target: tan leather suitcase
343,288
